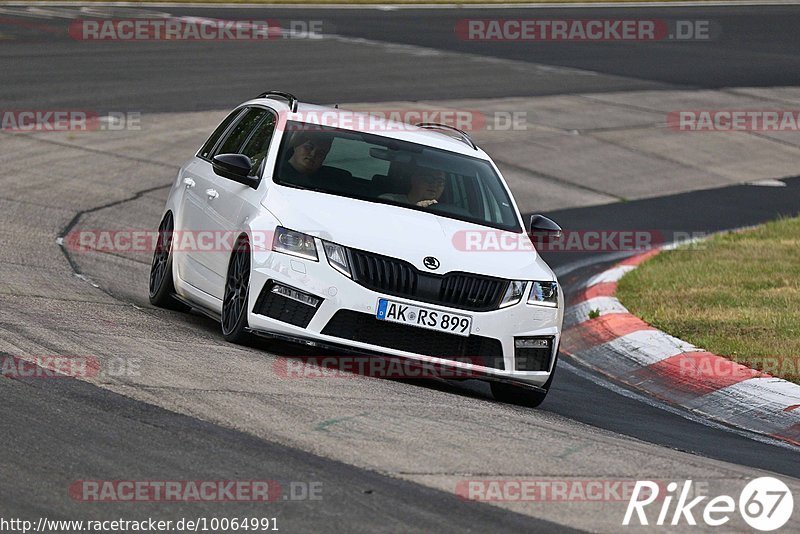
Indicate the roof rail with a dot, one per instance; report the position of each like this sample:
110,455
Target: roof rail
289,97
462,136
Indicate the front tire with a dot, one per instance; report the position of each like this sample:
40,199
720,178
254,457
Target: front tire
235,299
511,394
162,286
521,396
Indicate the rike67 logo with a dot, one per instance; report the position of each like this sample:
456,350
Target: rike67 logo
765,504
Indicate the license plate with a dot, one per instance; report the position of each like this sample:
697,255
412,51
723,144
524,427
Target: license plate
452,323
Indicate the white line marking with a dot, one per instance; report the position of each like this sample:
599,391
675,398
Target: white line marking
652,346
54,13
22,13
632,352
84,12
766,393
767,183
614,274
579,312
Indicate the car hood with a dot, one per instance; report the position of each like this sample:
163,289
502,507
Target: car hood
408,234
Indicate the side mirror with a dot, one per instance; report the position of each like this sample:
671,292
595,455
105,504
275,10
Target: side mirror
543,227
235,167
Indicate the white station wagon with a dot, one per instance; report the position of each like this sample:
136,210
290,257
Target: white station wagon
360,236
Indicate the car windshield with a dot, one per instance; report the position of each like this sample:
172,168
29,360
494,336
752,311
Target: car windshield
383,170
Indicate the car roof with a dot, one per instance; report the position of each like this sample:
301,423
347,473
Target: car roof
366,123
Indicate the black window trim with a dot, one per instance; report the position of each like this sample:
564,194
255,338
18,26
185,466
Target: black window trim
233,123
250,137
241,112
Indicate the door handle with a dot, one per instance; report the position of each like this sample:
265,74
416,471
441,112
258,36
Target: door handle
188,182
212,194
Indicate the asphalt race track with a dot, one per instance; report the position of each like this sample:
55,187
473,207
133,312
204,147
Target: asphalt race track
756,48
388,453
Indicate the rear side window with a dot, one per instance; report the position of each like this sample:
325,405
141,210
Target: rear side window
205,152
238,135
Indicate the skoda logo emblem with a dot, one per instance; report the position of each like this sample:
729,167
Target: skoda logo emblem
431,263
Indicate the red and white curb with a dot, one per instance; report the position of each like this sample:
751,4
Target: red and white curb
619,345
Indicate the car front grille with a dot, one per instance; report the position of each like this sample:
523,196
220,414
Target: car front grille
365,328
396,277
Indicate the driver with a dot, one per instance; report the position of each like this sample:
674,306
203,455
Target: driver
309,150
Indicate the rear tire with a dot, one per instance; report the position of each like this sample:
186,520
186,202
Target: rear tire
162,286
235,299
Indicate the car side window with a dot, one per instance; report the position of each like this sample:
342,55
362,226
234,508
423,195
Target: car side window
257,145
238,135
209,145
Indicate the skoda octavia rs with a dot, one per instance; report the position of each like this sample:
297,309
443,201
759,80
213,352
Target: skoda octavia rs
344,231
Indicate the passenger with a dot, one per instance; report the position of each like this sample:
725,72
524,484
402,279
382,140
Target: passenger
427,186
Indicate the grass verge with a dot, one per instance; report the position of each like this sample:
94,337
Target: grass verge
736,295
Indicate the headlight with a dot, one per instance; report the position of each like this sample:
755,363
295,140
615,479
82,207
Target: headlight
337,257
294,243
544,294
513,294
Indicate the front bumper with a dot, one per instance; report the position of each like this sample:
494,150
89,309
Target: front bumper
339,293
